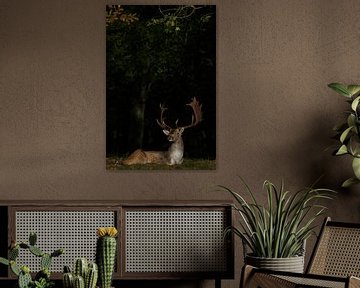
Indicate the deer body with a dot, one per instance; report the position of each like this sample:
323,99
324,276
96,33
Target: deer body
175,153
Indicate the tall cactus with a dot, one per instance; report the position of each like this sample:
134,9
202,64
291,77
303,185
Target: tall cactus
106,254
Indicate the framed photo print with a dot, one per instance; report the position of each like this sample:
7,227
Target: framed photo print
160,87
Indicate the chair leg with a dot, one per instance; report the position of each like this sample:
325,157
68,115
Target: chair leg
251,279
246,273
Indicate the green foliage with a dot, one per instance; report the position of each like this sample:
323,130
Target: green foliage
42,278
348,132
279,229
42,283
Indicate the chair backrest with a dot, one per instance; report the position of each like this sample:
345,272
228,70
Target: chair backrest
337,251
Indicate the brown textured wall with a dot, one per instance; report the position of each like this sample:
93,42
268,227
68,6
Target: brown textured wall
275,113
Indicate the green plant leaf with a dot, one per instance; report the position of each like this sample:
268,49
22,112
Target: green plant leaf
340,88
351,120
355,103
356,167
354,146
349,182
342,150
345,134
353,89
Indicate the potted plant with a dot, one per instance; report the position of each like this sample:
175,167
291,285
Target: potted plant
348,132
275,233
42,278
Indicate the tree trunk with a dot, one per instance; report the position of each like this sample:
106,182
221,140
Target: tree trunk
137,117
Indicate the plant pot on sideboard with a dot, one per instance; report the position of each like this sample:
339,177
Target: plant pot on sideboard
290,264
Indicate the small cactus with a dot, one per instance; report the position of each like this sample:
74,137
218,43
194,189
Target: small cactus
23,273
24,280
32,238
83,274
13,253
68,280
79,282
81,266
106,254
45,261
91,276
36,251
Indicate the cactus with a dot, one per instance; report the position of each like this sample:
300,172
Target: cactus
45,261
84,274
32,238
36,251
24,278
106,254
91,276
79,282
68,280
13,253
81,265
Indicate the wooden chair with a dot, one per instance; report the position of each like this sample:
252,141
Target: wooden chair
335,262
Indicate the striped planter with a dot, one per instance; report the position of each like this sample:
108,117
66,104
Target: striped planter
291,264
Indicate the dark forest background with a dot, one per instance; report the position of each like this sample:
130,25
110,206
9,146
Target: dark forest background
160,54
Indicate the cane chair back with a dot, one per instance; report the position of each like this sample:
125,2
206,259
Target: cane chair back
335,262
337,252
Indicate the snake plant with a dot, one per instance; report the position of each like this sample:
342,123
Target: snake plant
279,228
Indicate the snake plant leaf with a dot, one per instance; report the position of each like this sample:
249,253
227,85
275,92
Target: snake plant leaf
345,134
356,167
355,103
341,89
353,89
342,150
349,182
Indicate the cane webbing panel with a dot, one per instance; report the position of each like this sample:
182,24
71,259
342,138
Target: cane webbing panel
338,252
313,282
74,231
175,241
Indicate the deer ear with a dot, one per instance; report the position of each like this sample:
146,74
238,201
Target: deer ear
166,132
182,129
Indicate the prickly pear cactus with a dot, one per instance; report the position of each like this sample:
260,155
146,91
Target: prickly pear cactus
24,280
106,254
23,273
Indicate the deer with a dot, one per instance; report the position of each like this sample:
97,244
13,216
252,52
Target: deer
174,155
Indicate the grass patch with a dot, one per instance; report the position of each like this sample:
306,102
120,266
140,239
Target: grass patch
114,163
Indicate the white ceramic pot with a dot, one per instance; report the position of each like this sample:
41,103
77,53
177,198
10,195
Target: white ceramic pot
291,264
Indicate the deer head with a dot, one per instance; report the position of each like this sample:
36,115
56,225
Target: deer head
173,134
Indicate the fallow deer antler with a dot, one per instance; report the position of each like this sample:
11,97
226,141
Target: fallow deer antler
162,123
196,117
